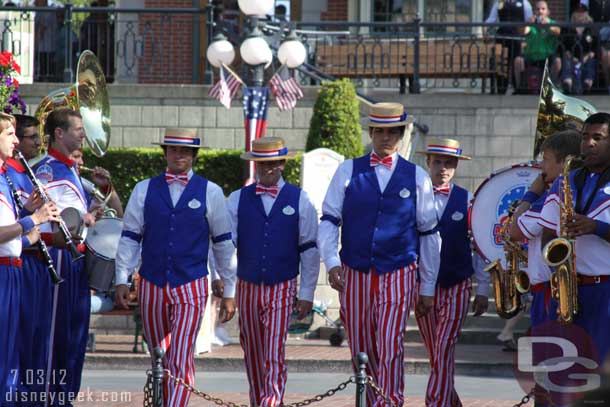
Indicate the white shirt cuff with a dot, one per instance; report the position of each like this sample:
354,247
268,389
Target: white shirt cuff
427,289
331,262
306,294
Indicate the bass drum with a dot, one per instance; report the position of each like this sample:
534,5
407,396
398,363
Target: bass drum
102,243
490,206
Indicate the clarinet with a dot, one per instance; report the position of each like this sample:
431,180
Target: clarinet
42,247
37,187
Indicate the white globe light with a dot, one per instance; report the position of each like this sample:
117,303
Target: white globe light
255,7
255,51
292,53
220,52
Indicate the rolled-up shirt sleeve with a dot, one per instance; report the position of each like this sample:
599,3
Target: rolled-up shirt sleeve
219,221
128,252
310,255
550,214
332,208
429,239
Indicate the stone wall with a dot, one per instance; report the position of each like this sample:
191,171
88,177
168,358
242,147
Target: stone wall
495,130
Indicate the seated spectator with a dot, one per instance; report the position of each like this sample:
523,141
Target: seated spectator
579,62
599,10
540,42
510,11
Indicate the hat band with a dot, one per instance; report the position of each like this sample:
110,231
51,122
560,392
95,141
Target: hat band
270,153
444,149
184,141
387,119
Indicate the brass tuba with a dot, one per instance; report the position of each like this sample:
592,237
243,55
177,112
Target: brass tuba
88,95
510,283
557,112
560,253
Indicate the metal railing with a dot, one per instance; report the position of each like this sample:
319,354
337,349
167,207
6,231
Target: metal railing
141,45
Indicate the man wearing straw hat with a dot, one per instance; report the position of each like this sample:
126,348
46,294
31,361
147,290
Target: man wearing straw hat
441,327
275,228
384,206
171,218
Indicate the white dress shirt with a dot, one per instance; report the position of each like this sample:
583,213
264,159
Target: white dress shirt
128,253
429,245
308,232
482,277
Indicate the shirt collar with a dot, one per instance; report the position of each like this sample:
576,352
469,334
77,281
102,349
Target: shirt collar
394,156
280,183
189,173
60,157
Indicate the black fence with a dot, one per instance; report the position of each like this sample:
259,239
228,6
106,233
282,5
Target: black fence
168,46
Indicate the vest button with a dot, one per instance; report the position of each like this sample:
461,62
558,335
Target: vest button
171,244
171,229
264,269
264,257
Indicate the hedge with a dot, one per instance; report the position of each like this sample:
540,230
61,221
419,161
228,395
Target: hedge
128,166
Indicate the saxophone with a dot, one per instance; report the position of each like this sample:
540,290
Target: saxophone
560,254
510,283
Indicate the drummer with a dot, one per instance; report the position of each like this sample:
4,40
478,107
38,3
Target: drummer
441,327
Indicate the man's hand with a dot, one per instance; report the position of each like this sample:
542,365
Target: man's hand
100,177
47,213
335,278
303,308
218,288
121,296
424,305
34,202
33,235
227,310
479,305
581,225
89,219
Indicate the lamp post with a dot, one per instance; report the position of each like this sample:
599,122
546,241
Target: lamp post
256,55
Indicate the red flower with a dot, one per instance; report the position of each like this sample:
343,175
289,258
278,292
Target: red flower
16,67
15,83
5,60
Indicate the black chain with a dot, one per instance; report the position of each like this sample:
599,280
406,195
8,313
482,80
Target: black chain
379,392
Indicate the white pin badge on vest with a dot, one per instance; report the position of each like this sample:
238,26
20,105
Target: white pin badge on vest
457,216
288,210
194,204
404,193
607,190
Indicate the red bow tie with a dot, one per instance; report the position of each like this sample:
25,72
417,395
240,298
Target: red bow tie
272,191
376,160
442,190
181,178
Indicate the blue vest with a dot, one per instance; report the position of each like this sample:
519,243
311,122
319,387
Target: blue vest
176,239
379,229
456,255
268,245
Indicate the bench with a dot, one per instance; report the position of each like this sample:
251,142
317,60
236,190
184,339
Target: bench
395,58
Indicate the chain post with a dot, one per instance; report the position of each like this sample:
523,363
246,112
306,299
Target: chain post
68,74
361,379
158,373
415,85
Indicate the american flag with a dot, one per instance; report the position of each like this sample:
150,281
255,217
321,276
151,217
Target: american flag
256,104
225,89
285,89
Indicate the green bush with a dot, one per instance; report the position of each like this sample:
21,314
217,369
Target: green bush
131,165
335,123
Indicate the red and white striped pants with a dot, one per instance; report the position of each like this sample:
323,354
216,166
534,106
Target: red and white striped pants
374,309
440,330
264,316
171,318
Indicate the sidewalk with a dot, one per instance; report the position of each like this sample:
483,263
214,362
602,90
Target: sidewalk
304,355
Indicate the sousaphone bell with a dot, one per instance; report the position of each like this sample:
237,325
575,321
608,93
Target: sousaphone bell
89,96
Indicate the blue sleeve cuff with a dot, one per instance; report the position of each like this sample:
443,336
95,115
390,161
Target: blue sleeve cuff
602,229
221,238
429,232
306,246
26,223
132,235
334,220
25,242
530,197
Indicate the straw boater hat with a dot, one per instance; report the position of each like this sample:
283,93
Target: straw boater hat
268,149
180,137
445,146
387,115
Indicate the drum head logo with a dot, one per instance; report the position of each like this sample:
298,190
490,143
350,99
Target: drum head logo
44,173
504,204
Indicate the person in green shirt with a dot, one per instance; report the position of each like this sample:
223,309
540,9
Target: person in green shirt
541,42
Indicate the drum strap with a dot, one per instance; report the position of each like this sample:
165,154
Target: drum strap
579,182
